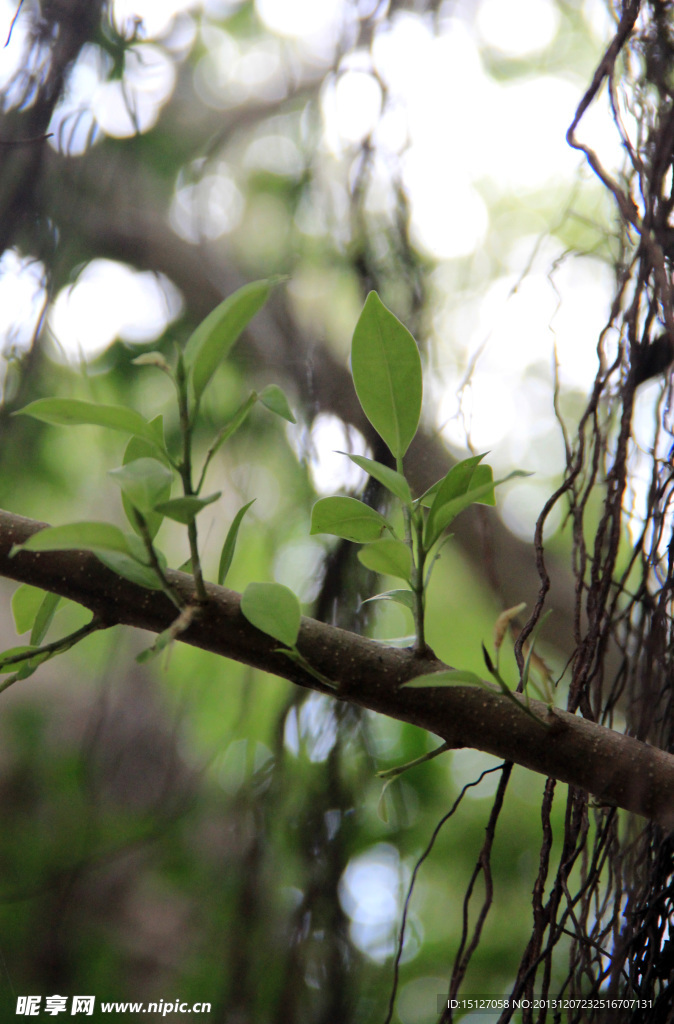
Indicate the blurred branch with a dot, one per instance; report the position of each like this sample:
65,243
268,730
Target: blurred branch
616,769
57,35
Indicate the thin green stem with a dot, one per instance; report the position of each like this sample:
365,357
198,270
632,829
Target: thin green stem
166,587
418,586
392,773
186,477
225,433
417,580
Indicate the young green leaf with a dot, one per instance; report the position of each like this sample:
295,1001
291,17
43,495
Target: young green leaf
453,484
274,399
85,536
392,480
144,483
388,557
273,609
214,337
441,514
184,510
74,412
449,677
230,543
348,518
386,370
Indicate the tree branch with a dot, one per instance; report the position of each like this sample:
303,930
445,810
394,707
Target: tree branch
616,769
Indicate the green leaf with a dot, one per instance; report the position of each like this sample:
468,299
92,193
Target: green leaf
214,337
464,472
73,412
273,609
274,399
483,477
133,564
442,513
348,518
26,601
388,557
144,482
453,484
449,677
142,448
6,665
185,509
404,597
386,370
43,619
85,536
392,480
130,568
34,609
139,448
230,543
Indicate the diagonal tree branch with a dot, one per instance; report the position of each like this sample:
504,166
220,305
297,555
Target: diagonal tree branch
615,768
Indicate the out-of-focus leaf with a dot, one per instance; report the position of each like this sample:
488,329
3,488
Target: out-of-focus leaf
6,664
273,398
26,601
185,509
139,448
74,412
273,609
43,619
144,482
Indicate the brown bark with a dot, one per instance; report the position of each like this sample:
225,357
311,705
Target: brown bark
615,768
